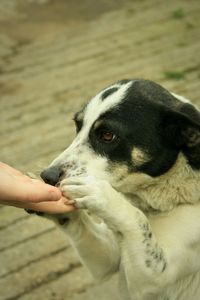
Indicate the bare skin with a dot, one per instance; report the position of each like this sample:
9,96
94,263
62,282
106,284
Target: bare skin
19,190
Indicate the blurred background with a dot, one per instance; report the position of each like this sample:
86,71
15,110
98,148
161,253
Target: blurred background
54,56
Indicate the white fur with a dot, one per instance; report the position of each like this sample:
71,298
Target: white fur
156,254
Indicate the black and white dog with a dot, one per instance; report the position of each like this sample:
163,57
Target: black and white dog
135,164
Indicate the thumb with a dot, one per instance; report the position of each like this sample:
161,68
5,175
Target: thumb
37,191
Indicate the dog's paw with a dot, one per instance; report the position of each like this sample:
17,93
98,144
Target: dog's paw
85,192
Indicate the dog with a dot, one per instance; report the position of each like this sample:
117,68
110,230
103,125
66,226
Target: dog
133,172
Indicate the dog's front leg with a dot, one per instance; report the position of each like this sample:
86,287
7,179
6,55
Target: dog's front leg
95,243
148,261
141,257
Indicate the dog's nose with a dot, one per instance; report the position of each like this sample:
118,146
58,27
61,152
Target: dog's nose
51,175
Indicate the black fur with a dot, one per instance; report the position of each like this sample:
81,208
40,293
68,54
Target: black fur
109,92
152,119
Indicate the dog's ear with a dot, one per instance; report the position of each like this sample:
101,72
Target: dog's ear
181,128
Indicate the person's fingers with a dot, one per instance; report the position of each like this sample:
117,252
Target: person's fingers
53,207
37,191
22,191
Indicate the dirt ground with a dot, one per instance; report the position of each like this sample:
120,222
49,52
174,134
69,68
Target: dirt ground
54,56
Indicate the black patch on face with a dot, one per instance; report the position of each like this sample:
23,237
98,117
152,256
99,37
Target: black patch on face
117,150
137,121
109,92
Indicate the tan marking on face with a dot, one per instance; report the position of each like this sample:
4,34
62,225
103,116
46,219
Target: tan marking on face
139,157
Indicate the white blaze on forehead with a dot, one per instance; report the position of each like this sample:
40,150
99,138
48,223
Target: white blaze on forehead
97,106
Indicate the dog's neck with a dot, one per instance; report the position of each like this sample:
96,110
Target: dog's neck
180,185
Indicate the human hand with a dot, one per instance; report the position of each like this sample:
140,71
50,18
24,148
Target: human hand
17,189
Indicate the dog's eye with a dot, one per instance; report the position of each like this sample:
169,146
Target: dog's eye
107,136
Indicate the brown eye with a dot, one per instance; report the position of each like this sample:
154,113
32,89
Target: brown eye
107,136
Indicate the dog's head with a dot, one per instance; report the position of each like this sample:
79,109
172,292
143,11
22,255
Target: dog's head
131,134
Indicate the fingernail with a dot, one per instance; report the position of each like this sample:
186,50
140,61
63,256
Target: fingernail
66,202
71,202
